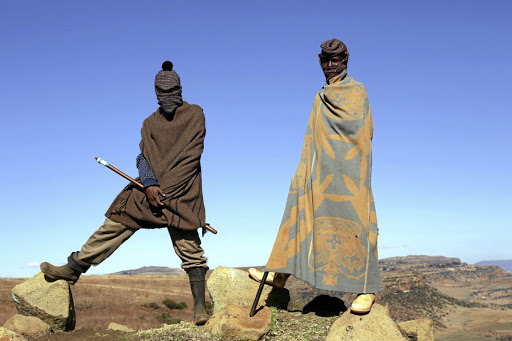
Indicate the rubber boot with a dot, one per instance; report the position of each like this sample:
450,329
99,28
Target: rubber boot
196,277
54,273
68,272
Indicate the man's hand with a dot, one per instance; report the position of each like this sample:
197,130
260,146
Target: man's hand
153,193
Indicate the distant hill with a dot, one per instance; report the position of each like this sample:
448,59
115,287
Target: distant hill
504,264
421,259
164,270
152,270
410,262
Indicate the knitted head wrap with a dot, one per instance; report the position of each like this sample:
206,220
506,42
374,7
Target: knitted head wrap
334,47
331,49
168,88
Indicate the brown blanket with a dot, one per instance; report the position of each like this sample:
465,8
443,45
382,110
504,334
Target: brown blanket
173,148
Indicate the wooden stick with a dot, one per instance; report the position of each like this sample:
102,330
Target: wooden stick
127,177
139,185
258,294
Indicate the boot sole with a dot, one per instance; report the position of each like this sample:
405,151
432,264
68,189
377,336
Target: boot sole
360,311
201,321
53,279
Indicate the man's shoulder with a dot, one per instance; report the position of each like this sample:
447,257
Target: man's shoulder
151,117
354,83
190,106
192,109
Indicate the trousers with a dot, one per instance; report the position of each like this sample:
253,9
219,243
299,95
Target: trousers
102,243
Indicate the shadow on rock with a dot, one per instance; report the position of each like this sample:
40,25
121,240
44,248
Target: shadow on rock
325,306
278,298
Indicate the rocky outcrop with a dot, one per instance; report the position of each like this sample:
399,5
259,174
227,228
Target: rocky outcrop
233,286
50,302
377,325
9,335
421,259
120,327
27,325
422,329
234,322
393,282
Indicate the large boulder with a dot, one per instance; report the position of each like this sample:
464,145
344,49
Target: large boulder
27,325
233,286
50,302
9,335
233,322
377,325
423,329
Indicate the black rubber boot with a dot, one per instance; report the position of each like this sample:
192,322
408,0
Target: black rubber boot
196,277
53,273
68,272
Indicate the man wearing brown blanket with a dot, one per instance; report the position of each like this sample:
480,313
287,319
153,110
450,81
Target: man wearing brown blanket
170,170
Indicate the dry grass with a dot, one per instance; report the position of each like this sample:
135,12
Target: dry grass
100,300
7,307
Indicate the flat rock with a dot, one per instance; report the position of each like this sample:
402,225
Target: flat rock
9,335
234,322
120,327
423,329
50,302
377,325
27,325
233,286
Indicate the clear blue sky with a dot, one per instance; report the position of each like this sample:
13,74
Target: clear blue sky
76,81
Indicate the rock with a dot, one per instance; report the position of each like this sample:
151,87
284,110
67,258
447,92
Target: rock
423,329
120,327
233,286
234,322
9,335
377,325
27,325
50,302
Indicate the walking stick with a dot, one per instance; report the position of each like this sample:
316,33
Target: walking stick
258,294
109,166
140,186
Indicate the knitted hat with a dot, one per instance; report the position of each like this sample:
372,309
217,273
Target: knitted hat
167,78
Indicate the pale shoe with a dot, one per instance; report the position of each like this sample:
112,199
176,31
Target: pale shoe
277,280
363,303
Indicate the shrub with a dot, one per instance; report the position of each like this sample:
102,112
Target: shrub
152,305
167,319
171,304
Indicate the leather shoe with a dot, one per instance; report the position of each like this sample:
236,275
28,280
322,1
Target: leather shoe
275,279
363,303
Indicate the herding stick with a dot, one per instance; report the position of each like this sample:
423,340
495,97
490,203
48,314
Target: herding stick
139,185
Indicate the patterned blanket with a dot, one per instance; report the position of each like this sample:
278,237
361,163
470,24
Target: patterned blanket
328,234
